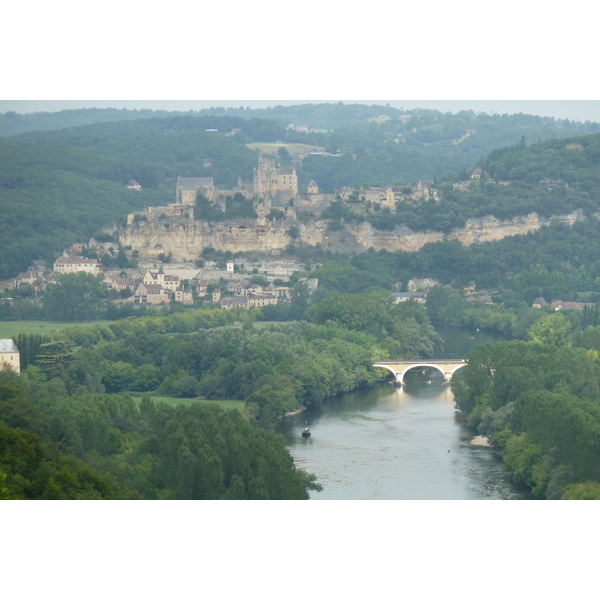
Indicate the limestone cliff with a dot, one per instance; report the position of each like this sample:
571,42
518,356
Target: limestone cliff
184,238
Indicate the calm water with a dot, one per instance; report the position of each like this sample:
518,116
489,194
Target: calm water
388,443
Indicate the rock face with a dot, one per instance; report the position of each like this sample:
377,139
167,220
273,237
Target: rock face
184,238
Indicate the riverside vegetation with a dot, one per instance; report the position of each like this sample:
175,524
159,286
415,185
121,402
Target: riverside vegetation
537,401
70,430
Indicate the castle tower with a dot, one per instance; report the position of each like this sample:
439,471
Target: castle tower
269,179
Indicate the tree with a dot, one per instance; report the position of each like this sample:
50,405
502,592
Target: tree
437,300
588,490
551,329
76,297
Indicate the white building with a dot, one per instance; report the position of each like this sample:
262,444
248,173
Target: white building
10,357
76,264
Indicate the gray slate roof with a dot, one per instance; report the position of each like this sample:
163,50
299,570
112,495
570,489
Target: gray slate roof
194,181
7,345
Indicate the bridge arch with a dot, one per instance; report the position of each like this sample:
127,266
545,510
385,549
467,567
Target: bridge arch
420,366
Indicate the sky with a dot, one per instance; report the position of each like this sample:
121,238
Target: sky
450,56
577,110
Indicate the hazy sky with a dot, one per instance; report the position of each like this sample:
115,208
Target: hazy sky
580,110
504,57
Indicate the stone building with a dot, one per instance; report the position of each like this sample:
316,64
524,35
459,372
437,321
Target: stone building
381,196
76,264
10,357
184,295
188,189
313,188
269,179
150,293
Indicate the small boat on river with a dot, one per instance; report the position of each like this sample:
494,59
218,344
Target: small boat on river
306,433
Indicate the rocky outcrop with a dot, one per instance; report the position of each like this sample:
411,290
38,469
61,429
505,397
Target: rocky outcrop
184,238
475,231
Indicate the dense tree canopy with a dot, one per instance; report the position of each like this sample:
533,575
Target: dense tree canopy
538,402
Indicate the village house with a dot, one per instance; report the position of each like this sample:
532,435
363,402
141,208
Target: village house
159,277
201,286
238,288
10,357
234,302
539,303
345,193
381,196
76,264
559,305
400,297
420,297
185,296
261,300
423,191
120,284
149,293
134,185
28,278
74,250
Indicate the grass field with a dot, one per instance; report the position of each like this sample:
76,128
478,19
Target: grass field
294,149
237,404
10,328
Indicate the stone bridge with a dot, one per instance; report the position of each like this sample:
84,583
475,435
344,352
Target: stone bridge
399,368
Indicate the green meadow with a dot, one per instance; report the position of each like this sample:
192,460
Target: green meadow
9,329
137,396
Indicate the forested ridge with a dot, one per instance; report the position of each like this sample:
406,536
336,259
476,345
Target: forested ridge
60,187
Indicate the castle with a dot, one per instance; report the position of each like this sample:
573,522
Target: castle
278,183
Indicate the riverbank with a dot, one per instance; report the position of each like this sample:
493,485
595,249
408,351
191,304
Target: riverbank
295,412
480,440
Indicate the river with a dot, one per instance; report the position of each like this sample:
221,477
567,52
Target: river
409,443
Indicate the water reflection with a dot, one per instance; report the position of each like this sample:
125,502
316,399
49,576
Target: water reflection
395,443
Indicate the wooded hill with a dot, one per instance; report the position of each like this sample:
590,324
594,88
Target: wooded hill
59,187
